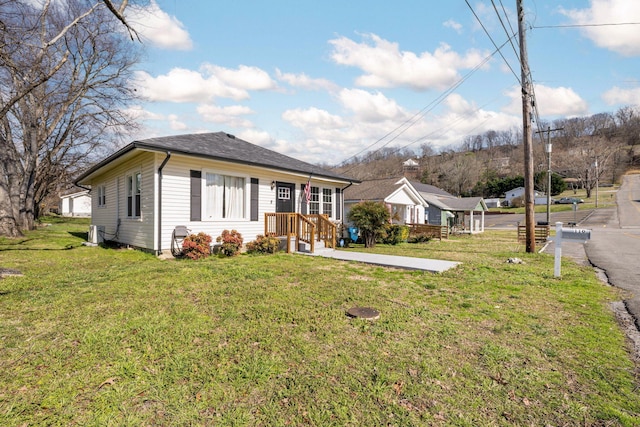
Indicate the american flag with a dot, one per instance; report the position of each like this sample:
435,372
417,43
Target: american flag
307,191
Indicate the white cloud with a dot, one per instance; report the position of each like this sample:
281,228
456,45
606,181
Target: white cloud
182,85
305,82
385,65
551,101
618,95
175,123
158,27
137,112
258,137
313,118
624,39
245,77
370,107
230,116
456,26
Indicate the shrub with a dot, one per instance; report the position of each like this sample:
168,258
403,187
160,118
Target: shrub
371,218
231,242
517,202
420,238
264,245
395,234
196,246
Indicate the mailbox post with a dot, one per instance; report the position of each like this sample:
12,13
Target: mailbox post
573,234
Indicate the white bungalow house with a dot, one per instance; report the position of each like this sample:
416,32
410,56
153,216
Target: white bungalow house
208,183
540,198
75,204
464,213
411,202
403,201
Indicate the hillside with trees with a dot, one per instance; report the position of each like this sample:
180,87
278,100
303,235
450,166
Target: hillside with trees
586,150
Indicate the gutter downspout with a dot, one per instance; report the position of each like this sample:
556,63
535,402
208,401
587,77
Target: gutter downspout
164,162
342,195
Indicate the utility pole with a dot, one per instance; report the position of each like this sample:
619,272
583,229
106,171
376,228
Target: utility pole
527,94
548,150
597,181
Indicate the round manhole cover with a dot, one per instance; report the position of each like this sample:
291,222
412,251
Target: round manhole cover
363,313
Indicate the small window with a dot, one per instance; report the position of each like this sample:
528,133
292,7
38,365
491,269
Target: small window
134,189
327,201
102,196
284,193
314,203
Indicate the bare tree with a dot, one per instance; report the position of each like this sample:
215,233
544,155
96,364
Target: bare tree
64,87
590,160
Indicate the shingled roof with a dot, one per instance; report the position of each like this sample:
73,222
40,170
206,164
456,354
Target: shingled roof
221,146
375,189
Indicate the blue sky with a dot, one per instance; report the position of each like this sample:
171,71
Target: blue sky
324,80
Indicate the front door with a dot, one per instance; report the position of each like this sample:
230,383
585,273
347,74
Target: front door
285,197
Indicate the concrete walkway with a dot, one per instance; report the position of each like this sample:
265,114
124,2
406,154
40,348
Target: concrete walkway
409,263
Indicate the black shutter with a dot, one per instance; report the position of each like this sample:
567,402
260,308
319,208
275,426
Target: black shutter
338,215
196,196
255,190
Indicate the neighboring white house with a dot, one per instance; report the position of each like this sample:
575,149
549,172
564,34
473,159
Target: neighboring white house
539,197
493,203
464,213
206,182
403,201
76,204
412,202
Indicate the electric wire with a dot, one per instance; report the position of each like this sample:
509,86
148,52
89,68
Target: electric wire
428,108
492,41
586,25
515,51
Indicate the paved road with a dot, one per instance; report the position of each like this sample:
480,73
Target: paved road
615,242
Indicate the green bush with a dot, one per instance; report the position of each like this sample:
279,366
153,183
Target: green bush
371,218
263,245
395,234
419,238
231,242
196,246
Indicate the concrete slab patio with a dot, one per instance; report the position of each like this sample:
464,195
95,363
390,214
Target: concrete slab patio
409,263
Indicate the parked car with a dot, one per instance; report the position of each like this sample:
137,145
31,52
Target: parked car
568,201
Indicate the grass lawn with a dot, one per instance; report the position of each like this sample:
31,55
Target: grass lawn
606,199
97,337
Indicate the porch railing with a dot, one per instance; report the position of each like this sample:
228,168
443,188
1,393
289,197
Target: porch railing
290,225
326,230
434,231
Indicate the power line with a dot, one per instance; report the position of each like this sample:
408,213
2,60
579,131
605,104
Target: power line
492,41
585,25
424,111
504,27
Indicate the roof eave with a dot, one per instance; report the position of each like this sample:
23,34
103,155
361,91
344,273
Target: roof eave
137,145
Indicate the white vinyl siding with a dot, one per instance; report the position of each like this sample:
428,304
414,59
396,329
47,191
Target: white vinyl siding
134,231
176,198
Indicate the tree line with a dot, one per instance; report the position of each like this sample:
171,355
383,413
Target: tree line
590,149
